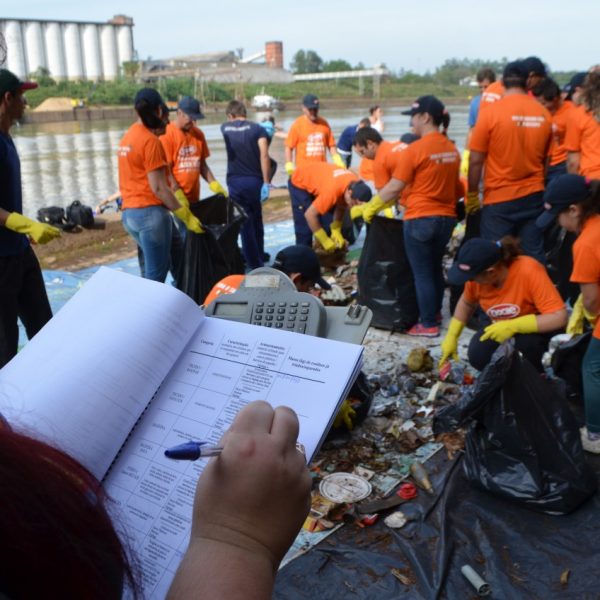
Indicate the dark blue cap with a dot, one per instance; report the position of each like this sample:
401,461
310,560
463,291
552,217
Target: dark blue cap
303,260
516,70
150,96
560,194
361,191
191,107
575,82
409,138
426,104
310,101
475,256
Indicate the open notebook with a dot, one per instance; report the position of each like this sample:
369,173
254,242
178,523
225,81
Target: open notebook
130,367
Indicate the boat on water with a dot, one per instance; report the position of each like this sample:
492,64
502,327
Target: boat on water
264,101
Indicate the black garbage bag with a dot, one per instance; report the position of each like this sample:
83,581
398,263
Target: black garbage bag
385,279
215,254
523,442
558,248
566,364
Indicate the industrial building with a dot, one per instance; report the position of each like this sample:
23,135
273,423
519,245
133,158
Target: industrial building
73,50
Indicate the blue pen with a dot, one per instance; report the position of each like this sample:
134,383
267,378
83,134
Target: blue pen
192,451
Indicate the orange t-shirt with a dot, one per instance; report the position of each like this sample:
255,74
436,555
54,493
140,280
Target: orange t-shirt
583,135
140,152
515,135
366,169
385,162
494,92
586,257
185,151
227,285
558,152
430,165
310,140
326,182
527,291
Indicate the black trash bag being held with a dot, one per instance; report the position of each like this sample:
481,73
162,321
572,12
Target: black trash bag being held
523,442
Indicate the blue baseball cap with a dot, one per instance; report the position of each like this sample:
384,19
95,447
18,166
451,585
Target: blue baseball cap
150,96
300,259
310,101
426,104
560,194
191,107
475,256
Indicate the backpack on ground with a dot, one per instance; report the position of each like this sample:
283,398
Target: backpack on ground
80,214
54,215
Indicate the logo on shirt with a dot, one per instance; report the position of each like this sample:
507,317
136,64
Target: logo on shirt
315,145
528,121
503,311
444,157
124,150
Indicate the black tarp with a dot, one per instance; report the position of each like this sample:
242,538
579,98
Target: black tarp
385,279
214,254
520,553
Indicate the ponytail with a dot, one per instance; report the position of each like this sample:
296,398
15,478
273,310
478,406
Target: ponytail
148,116
444,121
510,248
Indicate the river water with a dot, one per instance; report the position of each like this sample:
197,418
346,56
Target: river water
62,162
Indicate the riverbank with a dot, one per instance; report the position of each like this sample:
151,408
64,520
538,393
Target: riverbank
108,242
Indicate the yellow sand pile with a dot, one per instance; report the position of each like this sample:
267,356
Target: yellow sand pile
50,104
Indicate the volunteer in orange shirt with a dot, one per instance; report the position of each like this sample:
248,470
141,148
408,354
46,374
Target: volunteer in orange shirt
548,94
320,194
186,149
147,196
516,294
511,138
582,140
575,200
309,137
428,170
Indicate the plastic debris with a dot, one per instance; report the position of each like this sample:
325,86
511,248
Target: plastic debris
481,587
419,474
396,520
419,360
344,487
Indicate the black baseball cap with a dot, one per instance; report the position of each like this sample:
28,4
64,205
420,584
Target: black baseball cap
303,260
516,70
560,194
361,191
426,104
150,96
475,256
575,82
310,101
533,64
191,107
9,82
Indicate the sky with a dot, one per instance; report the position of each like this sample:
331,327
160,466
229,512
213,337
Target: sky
415,36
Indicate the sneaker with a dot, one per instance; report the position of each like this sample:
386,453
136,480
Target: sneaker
420,330
590,441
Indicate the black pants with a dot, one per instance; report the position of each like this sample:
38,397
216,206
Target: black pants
531,345
22,296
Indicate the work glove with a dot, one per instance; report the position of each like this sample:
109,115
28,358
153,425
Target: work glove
464,163
289,168
41,233
181,198
472,203
325,241
191,222
336,234
388,212
217,188
578,317
264,192
450,344
503,330
373,206
356,211
345,415
338,160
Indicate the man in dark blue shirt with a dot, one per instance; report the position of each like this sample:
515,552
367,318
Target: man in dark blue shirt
22,291
346,140
248,167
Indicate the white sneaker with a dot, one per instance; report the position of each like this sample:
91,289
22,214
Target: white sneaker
589,445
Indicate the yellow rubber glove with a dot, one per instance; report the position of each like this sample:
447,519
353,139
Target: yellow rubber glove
41,233
373,206
338,160
182,198
450,344
336,234
325,241
578,317
464,163
217,188
289,168
189,220
388,212
472,203
502,330
345,415
357,211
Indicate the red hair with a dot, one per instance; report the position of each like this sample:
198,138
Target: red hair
57,539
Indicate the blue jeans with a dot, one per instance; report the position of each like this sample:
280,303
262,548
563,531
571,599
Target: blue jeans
301,200
151,228
516,217
425,242
246,192
591,385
